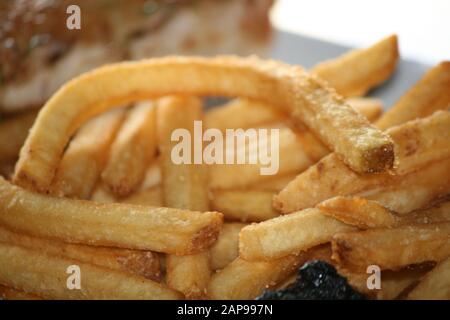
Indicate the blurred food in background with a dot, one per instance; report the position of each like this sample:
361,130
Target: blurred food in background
38,53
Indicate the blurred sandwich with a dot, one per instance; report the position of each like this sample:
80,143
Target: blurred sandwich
38,53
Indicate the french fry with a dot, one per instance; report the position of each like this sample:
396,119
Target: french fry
244,280
415,190
226,248
46,276
84,159
251,114
157,229
427,96
330,177
421,141
132,150
392,248
184,186
244,205
140,263
438,213
435,285
7,293
13,132
358,212
357,71
274,184
289,234
305,97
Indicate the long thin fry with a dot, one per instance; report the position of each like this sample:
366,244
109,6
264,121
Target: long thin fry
184,186
354,73
392,248
141,263
84,159
132,150
46,275
244,205
427,96
158,229
289,234
435,285
358,212
226,249
307,99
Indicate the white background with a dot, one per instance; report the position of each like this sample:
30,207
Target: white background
423,26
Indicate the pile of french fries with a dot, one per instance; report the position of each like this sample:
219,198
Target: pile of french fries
98,189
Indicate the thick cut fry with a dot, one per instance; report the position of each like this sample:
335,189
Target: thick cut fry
371,108
306,98
13,132
357,71
7,293
392,248
421,141
132,150
244,205
46,276
435,285
244,280
289,234
430,94
119,225
226,249
242,113
415,190
141,263
84,159
331,177
358,212
292,156
184,186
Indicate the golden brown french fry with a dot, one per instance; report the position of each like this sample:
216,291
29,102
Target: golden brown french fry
46,275
358,212
357,71
289,234
141,263
84,159
392,248
242,113
415,190
7,293
427,96
184,186
435,285
421,141
226,249
330,177
292,156
132,150
244,280
13,132
244,205
305,97
157,229
371,108
150,197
